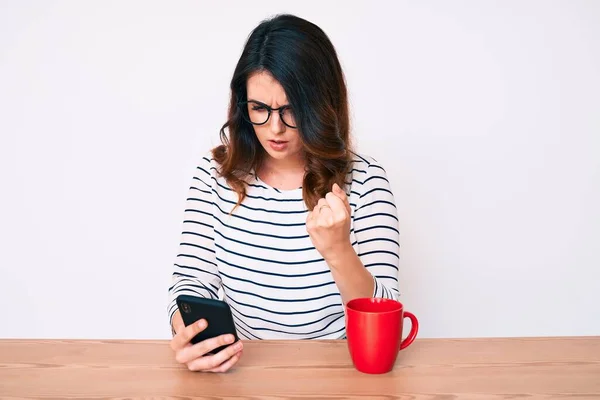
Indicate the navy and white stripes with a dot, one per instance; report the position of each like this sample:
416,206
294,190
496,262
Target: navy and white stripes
276,283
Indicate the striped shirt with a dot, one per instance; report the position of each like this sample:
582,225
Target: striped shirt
277,284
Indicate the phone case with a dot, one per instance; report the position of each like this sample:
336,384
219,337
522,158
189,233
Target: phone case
216,312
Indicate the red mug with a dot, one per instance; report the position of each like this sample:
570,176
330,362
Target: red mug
374,332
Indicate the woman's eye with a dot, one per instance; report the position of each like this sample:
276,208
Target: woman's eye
258,108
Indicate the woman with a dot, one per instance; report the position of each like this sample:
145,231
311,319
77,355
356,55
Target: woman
284,217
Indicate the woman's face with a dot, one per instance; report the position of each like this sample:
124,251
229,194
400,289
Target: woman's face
279,141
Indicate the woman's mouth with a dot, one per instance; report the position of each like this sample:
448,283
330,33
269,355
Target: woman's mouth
278,145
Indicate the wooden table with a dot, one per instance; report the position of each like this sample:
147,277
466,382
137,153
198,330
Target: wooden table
473,369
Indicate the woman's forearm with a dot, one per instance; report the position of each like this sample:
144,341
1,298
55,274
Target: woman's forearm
352,278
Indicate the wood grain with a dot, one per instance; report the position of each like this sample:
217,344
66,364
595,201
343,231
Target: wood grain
432,369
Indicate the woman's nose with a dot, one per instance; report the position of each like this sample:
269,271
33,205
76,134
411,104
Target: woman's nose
276,124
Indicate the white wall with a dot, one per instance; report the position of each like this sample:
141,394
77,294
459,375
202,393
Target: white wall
485,114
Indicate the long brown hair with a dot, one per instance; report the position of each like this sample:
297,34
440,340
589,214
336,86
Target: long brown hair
303,60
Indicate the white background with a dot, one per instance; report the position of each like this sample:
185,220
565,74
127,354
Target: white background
485,114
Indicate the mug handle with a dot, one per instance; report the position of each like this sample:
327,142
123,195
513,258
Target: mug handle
414,328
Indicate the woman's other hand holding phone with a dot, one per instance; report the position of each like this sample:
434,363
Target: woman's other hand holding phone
195,356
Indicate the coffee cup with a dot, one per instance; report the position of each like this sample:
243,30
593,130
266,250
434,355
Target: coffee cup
374,333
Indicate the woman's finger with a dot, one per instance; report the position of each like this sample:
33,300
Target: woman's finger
339,192
338,208
326,213
321,204
198,350
182,338
227,364
309,216
209,362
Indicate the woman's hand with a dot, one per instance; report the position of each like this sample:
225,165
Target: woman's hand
195,356
328,225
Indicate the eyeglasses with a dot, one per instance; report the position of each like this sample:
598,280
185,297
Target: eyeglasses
259,113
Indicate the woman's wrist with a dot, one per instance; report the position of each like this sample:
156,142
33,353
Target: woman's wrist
176,322
339,255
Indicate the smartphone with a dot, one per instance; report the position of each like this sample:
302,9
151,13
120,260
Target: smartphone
216,312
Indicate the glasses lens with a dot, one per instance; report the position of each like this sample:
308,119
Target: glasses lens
288,117
258,114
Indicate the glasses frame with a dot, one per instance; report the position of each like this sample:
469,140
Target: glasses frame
243,105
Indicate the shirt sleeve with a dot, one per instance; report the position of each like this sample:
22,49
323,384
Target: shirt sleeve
376,231
195,270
